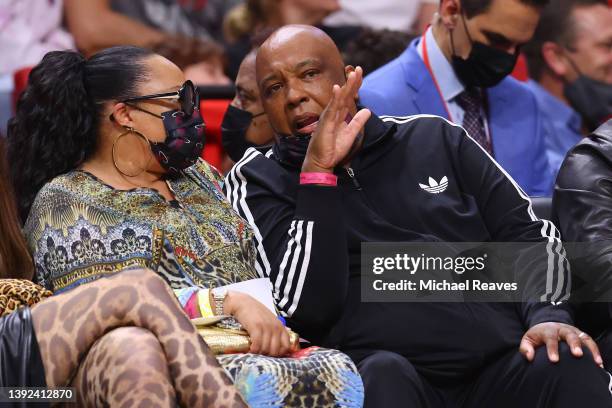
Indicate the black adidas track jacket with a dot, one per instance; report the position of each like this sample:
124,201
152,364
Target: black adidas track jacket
309,241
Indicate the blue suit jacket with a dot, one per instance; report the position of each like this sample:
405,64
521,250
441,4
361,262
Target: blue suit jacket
405,87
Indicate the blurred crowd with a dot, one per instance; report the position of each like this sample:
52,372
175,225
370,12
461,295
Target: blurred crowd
566,63
208,39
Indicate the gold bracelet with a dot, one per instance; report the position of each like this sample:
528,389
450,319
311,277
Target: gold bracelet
204,303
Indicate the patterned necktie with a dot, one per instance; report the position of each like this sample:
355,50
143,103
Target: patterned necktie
471,100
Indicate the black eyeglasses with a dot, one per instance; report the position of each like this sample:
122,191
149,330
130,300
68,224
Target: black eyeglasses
187,96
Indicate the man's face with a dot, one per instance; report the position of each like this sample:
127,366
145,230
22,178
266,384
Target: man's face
506,25
248,98
296,71
591,51
247,92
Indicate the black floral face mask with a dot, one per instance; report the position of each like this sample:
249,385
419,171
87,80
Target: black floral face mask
184,141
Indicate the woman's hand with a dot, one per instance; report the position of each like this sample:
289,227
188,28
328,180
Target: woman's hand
337,130
268,335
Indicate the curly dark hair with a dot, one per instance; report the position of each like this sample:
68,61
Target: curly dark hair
56,124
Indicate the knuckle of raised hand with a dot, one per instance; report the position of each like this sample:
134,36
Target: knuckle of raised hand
553,332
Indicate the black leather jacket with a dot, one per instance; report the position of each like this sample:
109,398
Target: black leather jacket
20,361
582,209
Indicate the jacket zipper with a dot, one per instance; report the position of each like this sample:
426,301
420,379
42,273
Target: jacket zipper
353,177
351,174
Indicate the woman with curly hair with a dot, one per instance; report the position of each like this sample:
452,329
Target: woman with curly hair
52,342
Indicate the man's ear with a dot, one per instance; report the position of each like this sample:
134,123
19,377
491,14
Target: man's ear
347,70
450,11
121,115
236,102
555,60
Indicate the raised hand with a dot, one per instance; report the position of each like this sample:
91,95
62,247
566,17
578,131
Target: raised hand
337,130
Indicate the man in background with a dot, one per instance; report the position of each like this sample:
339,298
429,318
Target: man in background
570,63
245,124
459,70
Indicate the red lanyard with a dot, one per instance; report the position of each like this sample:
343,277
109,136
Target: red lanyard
428,65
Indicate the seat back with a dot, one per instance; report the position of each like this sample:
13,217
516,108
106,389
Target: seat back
20,81
213,111
214,103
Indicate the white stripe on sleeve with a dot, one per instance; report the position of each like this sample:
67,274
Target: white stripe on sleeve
238,200
303,271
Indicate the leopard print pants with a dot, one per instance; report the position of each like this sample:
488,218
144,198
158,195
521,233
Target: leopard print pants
124,341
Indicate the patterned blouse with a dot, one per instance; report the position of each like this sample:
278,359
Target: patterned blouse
80,229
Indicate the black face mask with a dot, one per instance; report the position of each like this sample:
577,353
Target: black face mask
591,98
184,141
234,128
485,66
291,150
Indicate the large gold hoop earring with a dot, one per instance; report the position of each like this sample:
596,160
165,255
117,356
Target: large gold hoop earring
113,154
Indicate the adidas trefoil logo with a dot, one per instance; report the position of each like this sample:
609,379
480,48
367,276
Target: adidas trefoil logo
434,187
